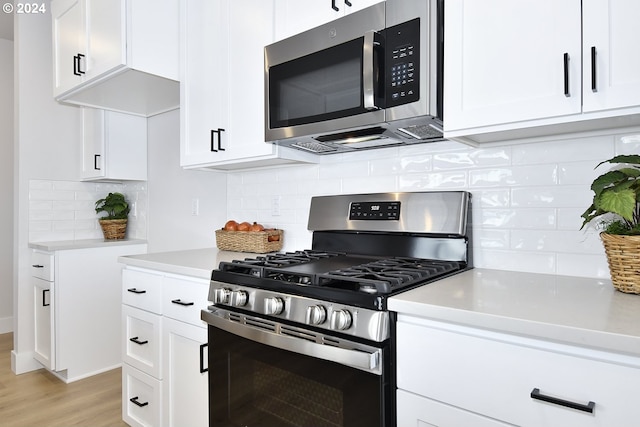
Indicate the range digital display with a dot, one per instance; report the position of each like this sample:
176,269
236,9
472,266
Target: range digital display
375,211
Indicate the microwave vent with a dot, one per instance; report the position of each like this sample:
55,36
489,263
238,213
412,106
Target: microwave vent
314,147
422,131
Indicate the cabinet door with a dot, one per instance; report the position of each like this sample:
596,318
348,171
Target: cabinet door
105,30
204,81
293,16
250,32
44,322
505,61
610,54
69,41
93,152
185,374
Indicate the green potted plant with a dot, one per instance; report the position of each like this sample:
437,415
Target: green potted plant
114,224
616,211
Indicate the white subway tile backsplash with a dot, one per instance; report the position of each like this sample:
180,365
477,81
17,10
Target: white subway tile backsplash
527,198
65,210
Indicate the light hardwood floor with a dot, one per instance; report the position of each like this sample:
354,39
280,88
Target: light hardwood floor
39,399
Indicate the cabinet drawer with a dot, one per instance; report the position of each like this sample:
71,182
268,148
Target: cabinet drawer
141,340
142,290
42,266
183,299
141,397
414,410
479,371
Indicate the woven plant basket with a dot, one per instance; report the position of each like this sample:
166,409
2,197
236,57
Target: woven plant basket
113,229
249,241
623,256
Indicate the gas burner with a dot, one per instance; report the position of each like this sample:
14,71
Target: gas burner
384,276
260,266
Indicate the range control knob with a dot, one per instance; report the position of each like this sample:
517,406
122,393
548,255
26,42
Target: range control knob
239,298
273,305
340,320
316,315
221,296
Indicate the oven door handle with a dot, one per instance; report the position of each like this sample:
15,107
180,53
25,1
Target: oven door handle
365,360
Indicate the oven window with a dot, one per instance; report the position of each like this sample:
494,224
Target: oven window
252,384
317,87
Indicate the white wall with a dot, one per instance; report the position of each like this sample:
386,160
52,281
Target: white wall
172,190
6,185
48,147
527,198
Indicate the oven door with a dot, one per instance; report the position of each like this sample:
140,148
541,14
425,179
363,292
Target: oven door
263,373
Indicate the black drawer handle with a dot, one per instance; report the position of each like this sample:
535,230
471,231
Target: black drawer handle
589,407
136,291
37,266
202,368
135,401
594,86
137,341
180,302
333,6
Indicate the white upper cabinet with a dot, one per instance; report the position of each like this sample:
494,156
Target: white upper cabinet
611,55
114,146
120,55
222,85
295,16
523,69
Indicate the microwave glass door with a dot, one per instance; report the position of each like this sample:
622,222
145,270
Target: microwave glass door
317,87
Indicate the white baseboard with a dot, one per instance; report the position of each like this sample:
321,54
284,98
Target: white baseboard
24,362
6,325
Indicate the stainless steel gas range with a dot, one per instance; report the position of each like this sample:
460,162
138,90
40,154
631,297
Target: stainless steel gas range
304,338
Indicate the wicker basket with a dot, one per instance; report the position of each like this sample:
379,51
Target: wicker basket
113,229
623,256
249,241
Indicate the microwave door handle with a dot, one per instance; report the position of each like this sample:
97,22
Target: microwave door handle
368,71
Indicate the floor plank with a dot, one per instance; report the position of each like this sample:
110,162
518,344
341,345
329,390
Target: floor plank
38,398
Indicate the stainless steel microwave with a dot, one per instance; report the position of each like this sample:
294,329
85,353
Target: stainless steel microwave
370,79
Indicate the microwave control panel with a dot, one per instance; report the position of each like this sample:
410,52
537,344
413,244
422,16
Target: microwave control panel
402,82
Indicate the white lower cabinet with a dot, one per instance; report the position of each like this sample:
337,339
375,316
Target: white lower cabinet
71,302
185,383
164,349
463,372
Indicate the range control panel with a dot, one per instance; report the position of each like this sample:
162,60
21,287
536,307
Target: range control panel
375,211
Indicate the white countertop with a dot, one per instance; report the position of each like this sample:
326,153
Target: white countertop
194,262
574,310
62,245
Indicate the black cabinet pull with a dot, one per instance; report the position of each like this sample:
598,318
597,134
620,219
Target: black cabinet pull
202,368
95,161
180,302
333,6
348,3
44,291
594,87
135,401
589,407
137,341
37,266
566,75
77,71
213,139
136,291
